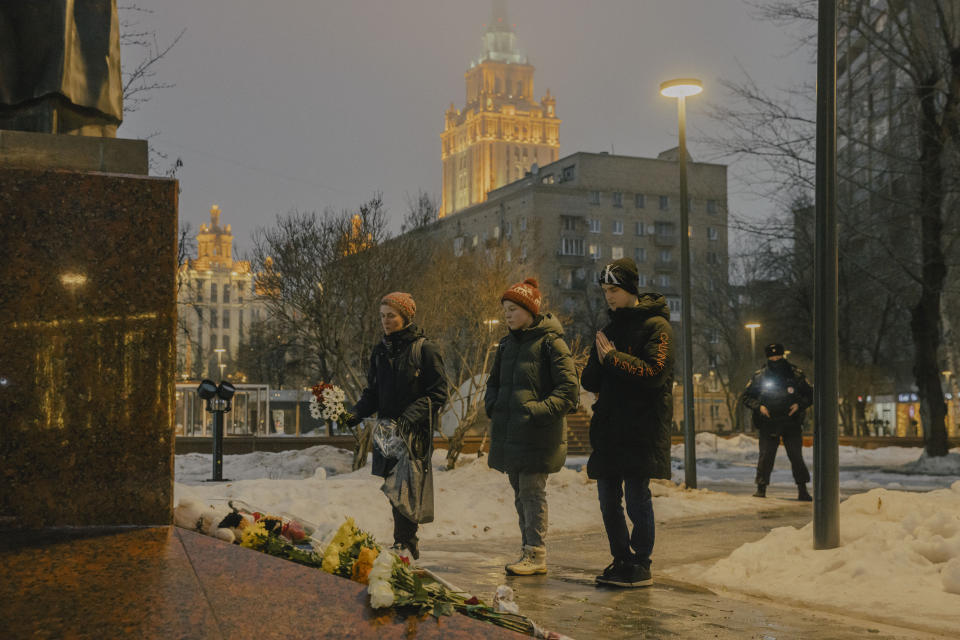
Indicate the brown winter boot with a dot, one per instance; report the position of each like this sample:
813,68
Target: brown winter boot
532,562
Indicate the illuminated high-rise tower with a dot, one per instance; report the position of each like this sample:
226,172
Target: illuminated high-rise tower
501,131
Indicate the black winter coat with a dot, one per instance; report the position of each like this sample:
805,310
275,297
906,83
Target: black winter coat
777,386
399,390
532,386
633,414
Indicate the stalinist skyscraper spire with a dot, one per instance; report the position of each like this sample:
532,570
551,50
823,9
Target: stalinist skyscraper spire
501,130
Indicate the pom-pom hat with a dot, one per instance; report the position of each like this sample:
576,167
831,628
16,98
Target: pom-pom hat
526,294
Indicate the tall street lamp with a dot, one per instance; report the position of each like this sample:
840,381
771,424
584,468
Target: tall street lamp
680,88
753,326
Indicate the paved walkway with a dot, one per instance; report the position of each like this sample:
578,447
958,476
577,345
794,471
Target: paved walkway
567,600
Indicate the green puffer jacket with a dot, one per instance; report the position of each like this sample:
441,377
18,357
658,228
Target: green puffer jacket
532,386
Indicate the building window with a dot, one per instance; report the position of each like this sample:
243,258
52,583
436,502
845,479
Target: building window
594,225
639,228
639,255
523,223
664,279
674,305
199,290
523,252
475,240
213,341
712,207
509,254
616,253
568,173
664,203
666,255
507,228
571,246
712,257
618,227
640,201
226,343
226,319
713,336
213,318
458,246
712,233
213,292
594,197
642,280
665,229
595,251
226,294
547,179
617,198
496,232
568,223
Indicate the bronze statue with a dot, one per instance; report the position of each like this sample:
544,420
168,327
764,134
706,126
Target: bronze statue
60,67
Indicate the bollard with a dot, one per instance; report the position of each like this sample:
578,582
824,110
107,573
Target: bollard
218,402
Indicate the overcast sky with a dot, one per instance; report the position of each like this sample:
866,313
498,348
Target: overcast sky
309,104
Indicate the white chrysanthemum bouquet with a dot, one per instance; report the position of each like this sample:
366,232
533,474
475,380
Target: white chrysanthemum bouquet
327,403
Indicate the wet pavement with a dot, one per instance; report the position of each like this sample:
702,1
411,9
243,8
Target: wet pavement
567,600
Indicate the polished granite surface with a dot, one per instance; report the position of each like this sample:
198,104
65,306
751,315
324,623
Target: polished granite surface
87,321
164,582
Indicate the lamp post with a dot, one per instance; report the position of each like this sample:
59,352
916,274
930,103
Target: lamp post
681,88
753,326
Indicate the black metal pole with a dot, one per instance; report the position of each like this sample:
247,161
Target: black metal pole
217,445
686,310
826,454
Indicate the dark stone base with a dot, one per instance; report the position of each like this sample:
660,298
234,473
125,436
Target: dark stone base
87,330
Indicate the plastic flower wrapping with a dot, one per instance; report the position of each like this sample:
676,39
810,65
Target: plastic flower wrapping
352,553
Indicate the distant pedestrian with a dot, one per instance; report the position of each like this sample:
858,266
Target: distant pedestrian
405,383
532,386
779,395
631,370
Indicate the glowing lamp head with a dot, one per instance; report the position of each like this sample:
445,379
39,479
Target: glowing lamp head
681,88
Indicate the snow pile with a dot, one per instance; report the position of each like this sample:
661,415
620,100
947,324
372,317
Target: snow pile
899,561
471,501
197,467
738,448
948,465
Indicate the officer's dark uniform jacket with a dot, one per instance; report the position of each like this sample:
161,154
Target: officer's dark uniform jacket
398,389
777,386
633,414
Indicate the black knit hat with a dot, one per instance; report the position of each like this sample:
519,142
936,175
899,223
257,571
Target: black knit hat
622,273
773,349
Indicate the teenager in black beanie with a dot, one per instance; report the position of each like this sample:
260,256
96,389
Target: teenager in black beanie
631,370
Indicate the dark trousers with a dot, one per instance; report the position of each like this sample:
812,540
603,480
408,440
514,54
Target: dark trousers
404,529
793,443
611,491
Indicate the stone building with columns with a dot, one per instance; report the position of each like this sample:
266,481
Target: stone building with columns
216,303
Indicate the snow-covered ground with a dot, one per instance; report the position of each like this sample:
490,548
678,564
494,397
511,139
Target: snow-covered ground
898,561
471,501
899,558
728,461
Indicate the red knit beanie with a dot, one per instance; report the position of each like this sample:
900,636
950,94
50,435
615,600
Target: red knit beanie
402,302
526,294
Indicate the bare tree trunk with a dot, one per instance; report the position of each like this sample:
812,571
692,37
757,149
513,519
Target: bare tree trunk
925,316
456,440
364,440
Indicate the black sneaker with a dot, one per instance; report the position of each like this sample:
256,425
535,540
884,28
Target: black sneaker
623,573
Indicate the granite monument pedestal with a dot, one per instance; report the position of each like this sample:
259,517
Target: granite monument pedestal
87,333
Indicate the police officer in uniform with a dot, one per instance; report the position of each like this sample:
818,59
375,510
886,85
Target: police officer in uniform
779,394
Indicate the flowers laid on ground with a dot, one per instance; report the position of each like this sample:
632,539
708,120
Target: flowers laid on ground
354,554
327,403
